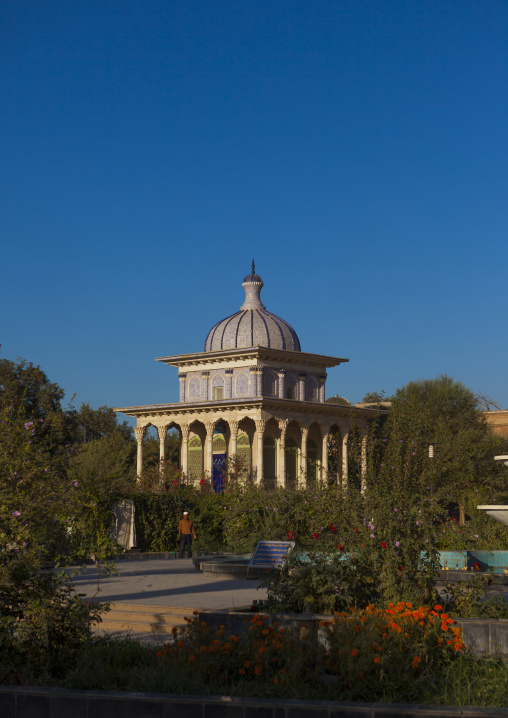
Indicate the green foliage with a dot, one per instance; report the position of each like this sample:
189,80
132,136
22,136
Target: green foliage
469,598
93,424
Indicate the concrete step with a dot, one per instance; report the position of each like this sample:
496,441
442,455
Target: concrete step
140,619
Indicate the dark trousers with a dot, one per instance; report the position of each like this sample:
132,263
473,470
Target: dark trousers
186,539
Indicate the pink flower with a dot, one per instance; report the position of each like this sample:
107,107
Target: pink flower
16,514
316,536
74,483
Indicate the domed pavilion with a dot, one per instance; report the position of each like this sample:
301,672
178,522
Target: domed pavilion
254,400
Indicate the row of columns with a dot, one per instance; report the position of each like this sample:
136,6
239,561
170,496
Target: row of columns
260,430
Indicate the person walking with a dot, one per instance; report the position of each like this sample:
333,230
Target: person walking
185,534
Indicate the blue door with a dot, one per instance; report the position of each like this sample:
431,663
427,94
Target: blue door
219,467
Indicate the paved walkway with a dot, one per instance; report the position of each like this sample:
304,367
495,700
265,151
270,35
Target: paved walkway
172,583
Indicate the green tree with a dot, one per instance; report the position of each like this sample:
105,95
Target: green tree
92,424
443,413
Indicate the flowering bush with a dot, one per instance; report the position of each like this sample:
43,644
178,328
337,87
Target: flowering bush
365,654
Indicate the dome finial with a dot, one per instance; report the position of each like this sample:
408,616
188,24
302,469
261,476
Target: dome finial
253,268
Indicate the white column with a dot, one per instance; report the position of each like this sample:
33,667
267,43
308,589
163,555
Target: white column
182,378
260,431
324,458
139,432
301,386
209,449
184,451
322,382
303,466
282,383
162,431
344,478
281,473
233,435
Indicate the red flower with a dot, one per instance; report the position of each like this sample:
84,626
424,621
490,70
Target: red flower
175,482
291,535
401,568
332,528
383,544
476,567
316,536
355,529
202,482
340,547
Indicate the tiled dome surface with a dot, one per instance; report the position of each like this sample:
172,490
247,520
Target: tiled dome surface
253,325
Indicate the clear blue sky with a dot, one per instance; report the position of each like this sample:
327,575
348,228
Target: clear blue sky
357,149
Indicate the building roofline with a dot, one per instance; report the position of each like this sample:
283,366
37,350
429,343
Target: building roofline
290,405
252,352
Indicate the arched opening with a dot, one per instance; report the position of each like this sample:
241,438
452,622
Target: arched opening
270,461
269,383
291,453
219,451
242,384
291,386
218,388
311,389
243,459
312,460
195,461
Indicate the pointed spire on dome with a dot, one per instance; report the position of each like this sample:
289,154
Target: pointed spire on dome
252,325
253,285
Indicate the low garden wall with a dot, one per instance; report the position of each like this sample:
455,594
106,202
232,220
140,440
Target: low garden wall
59,703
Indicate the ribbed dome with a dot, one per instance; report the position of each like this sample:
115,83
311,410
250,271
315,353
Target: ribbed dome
340,400
253,325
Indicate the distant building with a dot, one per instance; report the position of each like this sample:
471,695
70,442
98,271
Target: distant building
254,397
498,421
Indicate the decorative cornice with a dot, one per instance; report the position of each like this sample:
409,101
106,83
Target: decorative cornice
252,353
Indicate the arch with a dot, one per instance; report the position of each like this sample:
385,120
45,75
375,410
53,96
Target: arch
270,461
218,387
195,460
311,389
291,386
270,383
242,384
194,388
291,455
312,460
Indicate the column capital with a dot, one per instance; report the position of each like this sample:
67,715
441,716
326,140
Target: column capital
140,432
283,425
162,431
281,371
210,426
233,427
205,372
228,371
182,375
260,425
322,377
305,431
185,430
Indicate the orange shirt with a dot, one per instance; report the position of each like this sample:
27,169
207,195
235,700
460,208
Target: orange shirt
185,527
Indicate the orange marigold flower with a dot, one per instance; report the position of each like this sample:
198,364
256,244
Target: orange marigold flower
376,659
242,671
192,658
158,654
216,642
262,649
409,605
219,633
179,644
247,664
416,661
265,631
258,670
354,652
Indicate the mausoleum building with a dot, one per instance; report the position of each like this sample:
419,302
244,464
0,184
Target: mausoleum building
254,400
